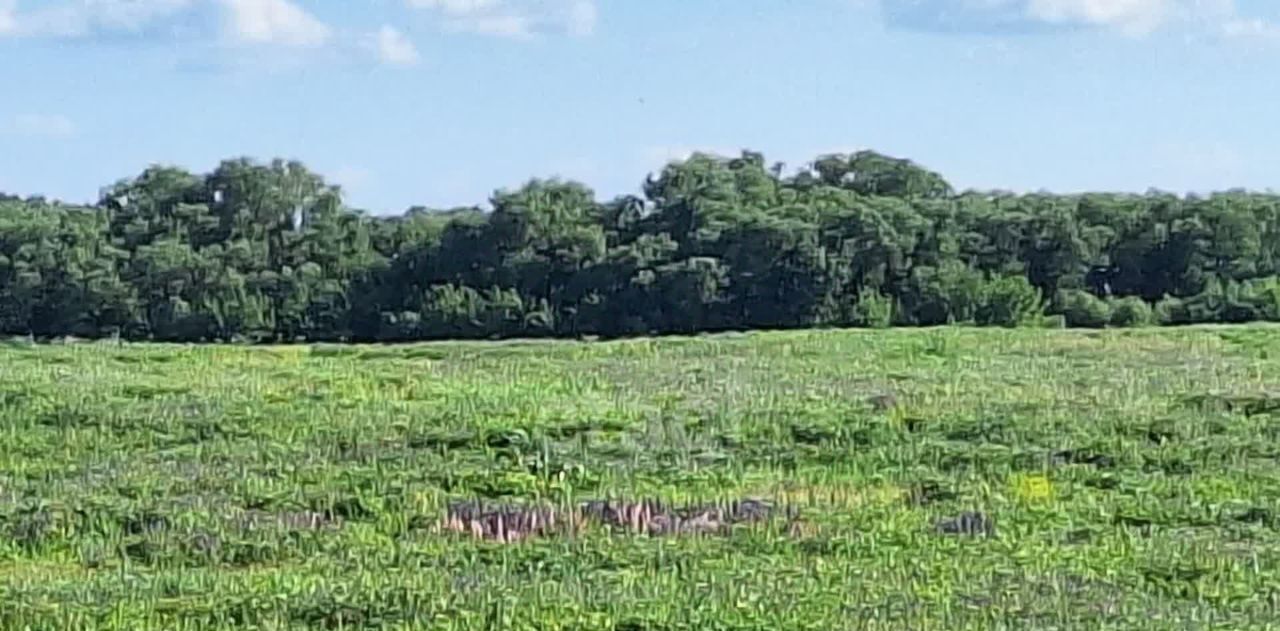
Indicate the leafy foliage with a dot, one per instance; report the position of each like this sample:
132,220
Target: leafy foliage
270,252
1082,309
1131,312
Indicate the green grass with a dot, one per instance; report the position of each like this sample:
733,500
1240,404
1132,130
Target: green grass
1132,478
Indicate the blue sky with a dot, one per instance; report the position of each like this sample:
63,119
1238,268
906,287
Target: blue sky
439,102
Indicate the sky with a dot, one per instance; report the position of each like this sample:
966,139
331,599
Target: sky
440,102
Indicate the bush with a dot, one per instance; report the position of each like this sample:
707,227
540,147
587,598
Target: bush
1257,299
1265,296
1009,301
1172,311
1131,312
948,294
873,310
1083,309
1222,301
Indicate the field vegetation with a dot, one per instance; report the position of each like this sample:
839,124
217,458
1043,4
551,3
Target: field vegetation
915,478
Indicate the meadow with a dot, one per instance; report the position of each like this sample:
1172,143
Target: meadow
925,479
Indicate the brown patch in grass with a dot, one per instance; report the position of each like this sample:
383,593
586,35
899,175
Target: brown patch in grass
514,523
288,520
656,519
507,524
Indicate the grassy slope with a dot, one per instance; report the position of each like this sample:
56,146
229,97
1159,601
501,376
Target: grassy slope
142,486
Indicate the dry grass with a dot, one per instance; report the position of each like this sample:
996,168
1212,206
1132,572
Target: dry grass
510,524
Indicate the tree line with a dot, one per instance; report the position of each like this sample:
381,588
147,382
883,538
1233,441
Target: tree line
270,252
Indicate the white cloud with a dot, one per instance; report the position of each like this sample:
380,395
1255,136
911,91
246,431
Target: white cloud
217,34
274,22
392,47
244,21
42,126
514,18
1134,16
77,19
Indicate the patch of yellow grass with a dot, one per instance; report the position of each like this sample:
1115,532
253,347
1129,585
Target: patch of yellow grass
1032,488
38,571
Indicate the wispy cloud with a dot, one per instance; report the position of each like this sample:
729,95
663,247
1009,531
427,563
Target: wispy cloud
514,18
274,22
1130,16
41,126
88,17
393,47
1135,18
212,36
257,22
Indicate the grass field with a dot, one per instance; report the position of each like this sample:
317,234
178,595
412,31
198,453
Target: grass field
938,479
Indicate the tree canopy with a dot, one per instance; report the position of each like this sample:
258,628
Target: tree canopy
270,252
